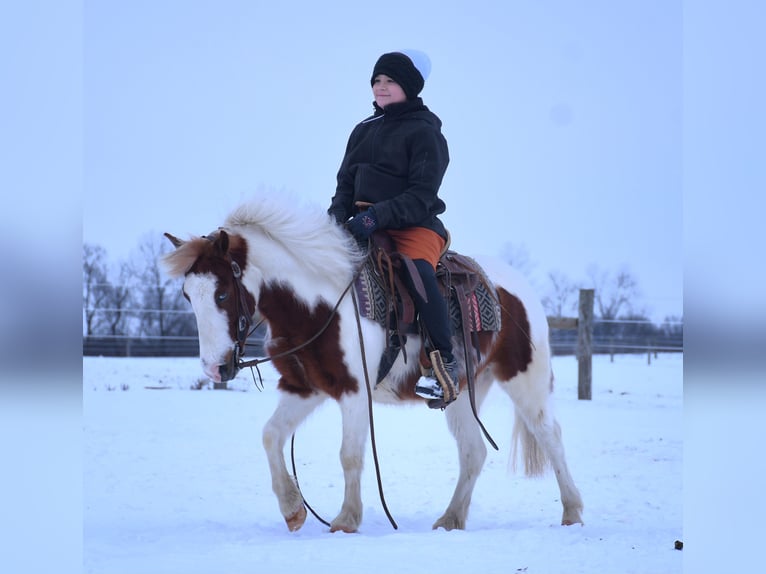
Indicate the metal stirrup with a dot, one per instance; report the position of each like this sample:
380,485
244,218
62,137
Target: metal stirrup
449,387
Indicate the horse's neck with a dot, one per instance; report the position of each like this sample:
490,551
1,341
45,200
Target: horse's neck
276,264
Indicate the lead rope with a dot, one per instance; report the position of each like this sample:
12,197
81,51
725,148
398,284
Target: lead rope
253,363
369,408
372,430
298,486
256,362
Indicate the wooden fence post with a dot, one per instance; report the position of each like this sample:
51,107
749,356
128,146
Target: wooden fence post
585,344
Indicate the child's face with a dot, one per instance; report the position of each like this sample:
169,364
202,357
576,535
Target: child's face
387,91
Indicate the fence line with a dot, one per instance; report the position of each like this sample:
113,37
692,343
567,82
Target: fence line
586,340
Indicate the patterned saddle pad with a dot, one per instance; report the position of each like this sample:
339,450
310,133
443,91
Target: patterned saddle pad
453,269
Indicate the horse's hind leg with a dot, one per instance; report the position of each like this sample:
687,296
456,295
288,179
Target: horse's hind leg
545,430
472,452
290,412
539,434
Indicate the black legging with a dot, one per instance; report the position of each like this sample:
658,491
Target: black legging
433,313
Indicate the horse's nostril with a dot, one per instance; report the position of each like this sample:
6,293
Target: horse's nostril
227,371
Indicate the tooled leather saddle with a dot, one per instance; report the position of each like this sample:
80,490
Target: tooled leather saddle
384,298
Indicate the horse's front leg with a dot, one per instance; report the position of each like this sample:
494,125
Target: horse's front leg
291,411
354,413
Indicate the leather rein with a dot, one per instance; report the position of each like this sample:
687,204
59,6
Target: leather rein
244,330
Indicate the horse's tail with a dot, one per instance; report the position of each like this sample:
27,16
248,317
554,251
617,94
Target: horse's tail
535,460
529,428
527,357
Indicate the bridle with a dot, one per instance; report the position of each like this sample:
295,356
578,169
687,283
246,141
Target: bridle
244,315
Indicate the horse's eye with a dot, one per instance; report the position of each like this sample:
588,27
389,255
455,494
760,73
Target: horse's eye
221,297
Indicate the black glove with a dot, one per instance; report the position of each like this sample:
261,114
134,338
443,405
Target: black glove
363,224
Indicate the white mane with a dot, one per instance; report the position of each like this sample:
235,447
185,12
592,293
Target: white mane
305,231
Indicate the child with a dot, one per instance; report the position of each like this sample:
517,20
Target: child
395,160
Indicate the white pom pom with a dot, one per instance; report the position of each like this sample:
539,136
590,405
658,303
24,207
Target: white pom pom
421,60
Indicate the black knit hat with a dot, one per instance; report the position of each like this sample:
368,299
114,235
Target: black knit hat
400,68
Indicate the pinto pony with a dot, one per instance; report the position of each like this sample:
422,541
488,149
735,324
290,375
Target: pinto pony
292,266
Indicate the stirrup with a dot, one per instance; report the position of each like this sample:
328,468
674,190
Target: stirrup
438,386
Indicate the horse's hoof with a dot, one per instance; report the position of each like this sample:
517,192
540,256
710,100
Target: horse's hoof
572,521
295,521
345,529
449,523
572,515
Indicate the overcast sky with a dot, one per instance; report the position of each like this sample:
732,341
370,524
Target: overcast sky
563,120
123,117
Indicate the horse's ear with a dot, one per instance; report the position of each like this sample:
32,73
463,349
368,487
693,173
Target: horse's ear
174,240
221,242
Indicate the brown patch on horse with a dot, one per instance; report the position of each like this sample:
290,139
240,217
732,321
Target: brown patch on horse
405,388
213,254
512,352
318,366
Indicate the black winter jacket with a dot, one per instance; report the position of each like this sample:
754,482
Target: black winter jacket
395,159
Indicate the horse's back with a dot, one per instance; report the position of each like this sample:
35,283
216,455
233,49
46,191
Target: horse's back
504,276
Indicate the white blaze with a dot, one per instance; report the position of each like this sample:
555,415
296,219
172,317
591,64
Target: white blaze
212,323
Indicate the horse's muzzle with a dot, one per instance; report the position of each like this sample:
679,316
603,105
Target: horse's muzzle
230,368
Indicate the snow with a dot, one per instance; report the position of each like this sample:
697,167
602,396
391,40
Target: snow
175,479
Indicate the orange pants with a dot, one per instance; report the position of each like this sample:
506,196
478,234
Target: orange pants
418,243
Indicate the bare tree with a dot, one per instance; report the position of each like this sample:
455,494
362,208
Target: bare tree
94,286
164,311
613,292
120,301
105,302
561,300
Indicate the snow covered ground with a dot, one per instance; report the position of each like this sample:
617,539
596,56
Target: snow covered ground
175,479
